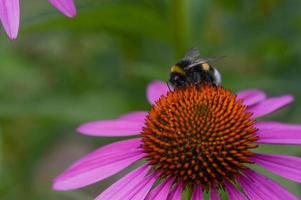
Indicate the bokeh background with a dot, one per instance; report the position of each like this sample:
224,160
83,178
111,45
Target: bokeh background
63,72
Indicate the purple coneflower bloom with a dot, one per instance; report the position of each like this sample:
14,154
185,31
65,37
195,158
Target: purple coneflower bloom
10,14
192,138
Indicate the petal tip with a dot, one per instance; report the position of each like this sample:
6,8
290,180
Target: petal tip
287,99
155,85
57,185
155,89
71,14
85,129
10,17
270,105
290,98
67,7
81,129
12,35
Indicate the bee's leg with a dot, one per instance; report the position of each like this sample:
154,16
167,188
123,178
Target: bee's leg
196,78
191,78
167,83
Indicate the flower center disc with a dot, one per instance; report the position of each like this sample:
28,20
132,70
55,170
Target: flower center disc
199,135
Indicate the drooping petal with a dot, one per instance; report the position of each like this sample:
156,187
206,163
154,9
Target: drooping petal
287,166
214,194
134,116
176,192
269,105
10,17
142,189
100,164
251,96
233,192
257,186
133,186
252,189
111,128
197,193
67,7
161,191
278,133
155,90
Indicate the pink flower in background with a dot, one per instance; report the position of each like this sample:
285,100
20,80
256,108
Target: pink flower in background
10,14
192,138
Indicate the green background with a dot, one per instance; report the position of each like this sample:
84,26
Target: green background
62,72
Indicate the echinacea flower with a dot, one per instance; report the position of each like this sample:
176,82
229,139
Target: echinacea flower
195,138
10,14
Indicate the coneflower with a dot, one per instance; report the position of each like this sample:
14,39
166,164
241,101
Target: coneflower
195,138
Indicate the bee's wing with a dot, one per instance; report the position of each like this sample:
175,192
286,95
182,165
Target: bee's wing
204,60
192,53
215,59
194,56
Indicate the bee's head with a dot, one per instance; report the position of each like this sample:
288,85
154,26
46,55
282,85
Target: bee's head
177,76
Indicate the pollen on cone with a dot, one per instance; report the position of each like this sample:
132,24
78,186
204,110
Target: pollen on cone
199,135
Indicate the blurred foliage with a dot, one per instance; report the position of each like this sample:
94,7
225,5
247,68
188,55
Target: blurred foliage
63,72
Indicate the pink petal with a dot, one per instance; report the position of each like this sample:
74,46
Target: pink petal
251,189
257,186
287,166
197,193
251,96
10,17
278,133
67,7
100,164
161,191
176,192
214,194
270,105
111,128
155,90
133,186
134,116
233,192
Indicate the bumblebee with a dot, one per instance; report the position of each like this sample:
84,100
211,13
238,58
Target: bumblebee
193,70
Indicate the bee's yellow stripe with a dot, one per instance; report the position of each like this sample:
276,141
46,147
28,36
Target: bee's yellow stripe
205,66
177,69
